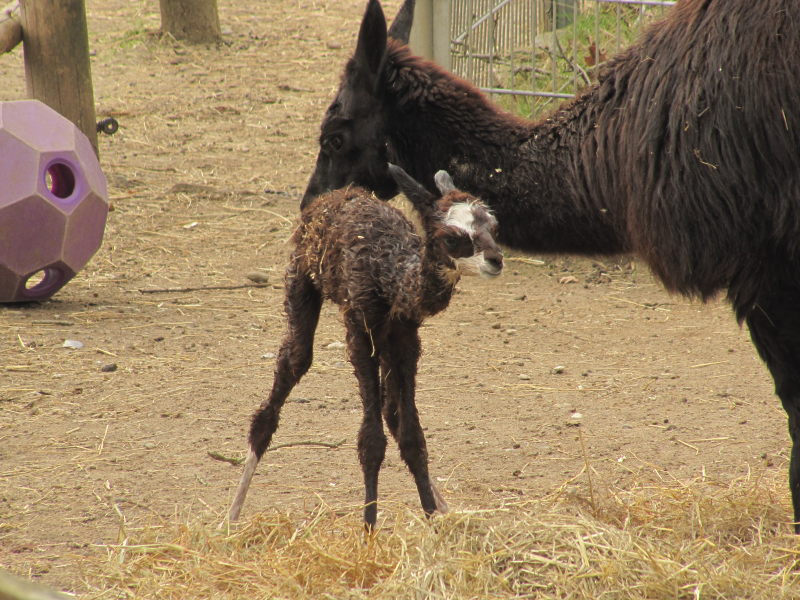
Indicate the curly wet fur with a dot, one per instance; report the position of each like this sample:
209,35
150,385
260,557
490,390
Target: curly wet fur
350,266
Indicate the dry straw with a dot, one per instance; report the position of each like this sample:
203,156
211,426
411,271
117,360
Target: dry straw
684,541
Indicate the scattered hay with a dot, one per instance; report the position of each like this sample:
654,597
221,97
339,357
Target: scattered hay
692,541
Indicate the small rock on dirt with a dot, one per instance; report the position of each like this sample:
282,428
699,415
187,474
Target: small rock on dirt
257,277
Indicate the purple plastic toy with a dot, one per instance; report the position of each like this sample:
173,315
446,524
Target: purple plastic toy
53,201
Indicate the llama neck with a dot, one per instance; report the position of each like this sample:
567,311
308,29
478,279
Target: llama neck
533,176
437,279
426,283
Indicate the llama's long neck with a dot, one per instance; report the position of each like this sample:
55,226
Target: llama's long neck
438,277
518,168
436,289
427,285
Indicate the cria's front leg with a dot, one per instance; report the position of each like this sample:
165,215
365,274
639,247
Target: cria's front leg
391,414
400,369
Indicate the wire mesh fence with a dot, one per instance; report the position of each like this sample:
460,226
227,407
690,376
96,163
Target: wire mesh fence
530,54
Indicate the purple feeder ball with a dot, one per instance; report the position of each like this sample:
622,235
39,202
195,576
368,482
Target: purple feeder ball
53,201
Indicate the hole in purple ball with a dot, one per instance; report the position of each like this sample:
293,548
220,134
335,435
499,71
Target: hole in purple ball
43,282
35,279
60,180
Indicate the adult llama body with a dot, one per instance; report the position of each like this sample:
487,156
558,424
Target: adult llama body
685,152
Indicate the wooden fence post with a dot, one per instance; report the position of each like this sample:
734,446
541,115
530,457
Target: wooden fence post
430,33
195,21
10,28
57,71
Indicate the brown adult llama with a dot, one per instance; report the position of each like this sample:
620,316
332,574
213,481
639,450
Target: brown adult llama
366,257
686,152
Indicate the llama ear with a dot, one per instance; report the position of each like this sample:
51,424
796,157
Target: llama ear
410,186
401,26
444,182
371,45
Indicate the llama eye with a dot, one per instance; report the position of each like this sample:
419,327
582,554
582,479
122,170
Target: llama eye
333,142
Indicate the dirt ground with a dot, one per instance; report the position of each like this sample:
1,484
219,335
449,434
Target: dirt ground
525,380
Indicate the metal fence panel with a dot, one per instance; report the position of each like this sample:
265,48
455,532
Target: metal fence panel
532,53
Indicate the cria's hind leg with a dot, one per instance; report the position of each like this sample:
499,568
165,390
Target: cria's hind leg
400,411
302,304
371,439
774,324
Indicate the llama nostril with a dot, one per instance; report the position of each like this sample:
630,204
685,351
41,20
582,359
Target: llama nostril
496,262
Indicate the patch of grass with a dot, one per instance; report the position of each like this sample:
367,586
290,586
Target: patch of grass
138,34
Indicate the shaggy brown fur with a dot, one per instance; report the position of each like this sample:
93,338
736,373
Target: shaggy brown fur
686,152
364,255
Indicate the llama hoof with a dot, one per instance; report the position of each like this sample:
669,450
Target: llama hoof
370,532
441,505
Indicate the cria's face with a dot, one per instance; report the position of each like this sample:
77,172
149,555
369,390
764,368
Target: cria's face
470,240
460,215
